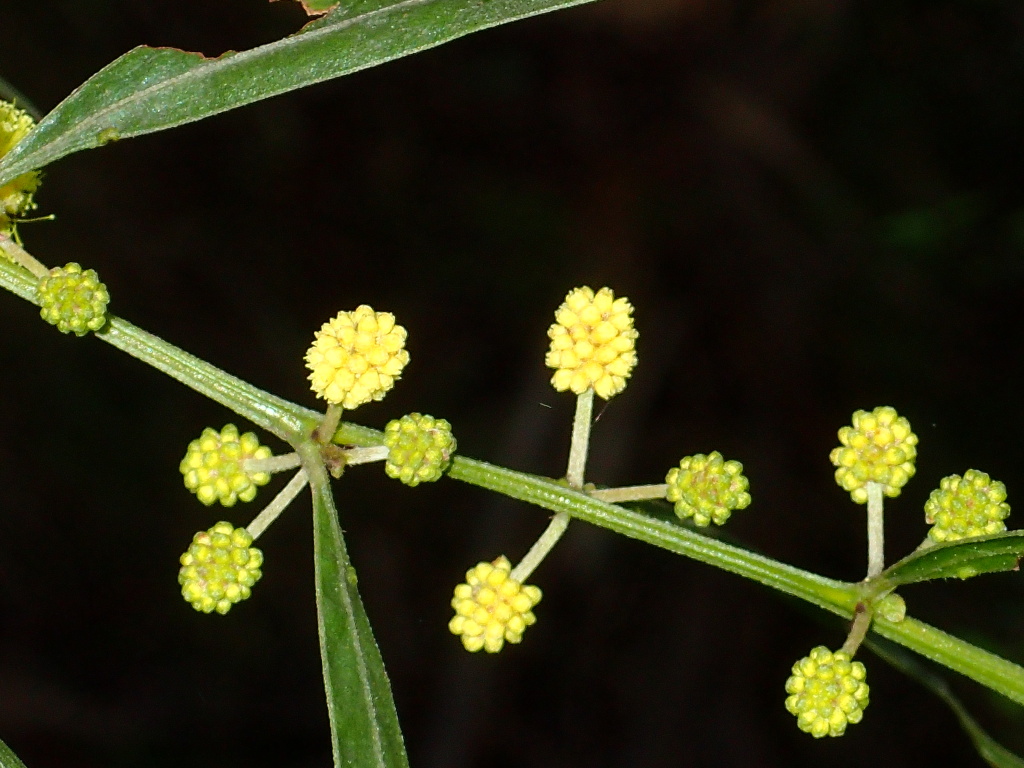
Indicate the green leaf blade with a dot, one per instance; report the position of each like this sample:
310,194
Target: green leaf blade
959,559
153,89
364,724
8,759
991,751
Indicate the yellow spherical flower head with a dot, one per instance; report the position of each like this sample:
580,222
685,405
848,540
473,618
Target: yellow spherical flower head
961,507
219,568
592,343
357,357
419,448
827,692
878,448
15,196
214,466
707,488
492,607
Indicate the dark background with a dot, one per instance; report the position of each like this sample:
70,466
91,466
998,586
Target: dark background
814,206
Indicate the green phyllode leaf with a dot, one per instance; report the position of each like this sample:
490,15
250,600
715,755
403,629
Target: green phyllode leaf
960,559
152,89
8,759
991,751
364,724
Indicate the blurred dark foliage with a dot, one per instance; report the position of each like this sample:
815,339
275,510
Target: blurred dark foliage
815,207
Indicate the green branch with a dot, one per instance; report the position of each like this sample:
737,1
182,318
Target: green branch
294,423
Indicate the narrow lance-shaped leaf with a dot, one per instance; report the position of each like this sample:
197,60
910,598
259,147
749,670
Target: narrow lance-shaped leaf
361,709
961,559
152,89
991,751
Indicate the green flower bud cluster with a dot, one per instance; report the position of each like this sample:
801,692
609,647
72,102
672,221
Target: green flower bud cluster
827,692
219,569
72,299
707,488
214,466
961,507
878,448
419,448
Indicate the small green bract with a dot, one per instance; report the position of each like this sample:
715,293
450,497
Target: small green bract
219,569
214,468
827,692
419,448
707,488
962,507
73,300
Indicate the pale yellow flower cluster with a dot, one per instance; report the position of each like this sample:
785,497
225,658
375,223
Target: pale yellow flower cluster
15,196
357,357
492,607
592,343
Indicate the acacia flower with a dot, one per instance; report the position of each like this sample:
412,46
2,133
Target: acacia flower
827,692
15,196
972,505
419,448
219,568
214,466
356,357
592,343
73,299
878,448
492,607
707,488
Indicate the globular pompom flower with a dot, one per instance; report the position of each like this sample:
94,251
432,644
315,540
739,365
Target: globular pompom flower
972,505
592,343
827,692
707,488
492,607
219,569
356,357
878,448
73,299
419,448
214,466
15,196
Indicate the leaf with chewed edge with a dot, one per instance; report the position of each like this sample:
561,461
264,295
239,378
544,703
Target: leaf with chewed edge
153,89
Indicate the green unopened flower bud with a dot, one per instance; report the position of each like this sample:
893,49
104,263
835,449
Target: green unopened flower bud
827,692
214,466
878,448
961,507
219,569
419,448
72,299
707,488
